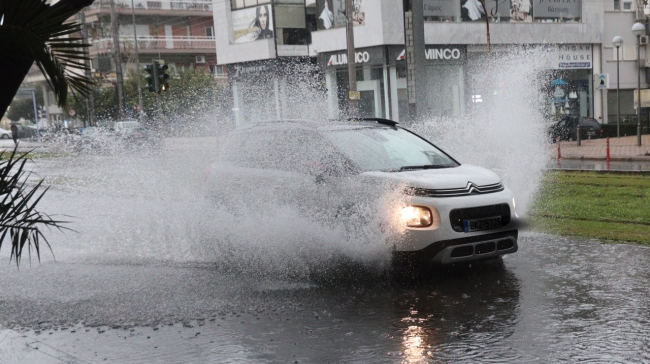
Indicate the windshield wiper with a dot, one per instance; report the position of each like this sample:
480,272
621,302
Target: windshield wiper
425,166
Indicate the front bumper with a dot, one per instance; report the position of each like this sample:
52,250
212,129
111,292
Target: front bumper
442,244
466,249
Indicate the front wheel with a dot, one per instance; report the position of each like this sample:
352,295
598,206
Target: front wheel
5,136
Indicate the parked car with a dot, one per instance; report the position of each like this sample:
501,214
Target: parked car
5,134
452,212
134,134
93,139
567,129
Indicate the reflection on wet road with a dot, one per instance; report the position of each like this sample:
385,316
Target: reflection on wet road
555,300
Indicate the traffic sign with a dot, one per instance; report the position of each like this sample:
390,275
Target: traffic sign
71,112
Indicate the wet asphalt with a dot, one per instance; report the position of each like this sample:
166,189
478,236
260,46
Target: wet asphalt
555,300
130,286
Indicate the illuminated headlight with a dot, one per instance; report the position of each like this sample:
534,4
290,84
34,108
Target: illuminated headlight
417,216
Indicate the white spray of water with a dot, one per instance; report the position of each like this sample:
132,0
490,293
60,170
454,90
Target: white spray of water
155,207
504,132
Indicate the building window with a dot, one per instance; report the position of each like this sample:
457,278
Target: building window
617,4
239,4
209,32
627,5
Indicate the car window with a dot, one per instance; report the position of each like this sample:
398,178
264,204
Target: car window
294,150
377,149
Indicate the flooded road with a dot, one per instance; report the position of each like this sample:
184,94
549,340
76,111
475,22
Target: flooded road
138,282
555,300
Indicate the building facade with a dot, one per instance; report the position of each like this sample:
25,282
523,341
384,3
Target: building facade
179,32
573,36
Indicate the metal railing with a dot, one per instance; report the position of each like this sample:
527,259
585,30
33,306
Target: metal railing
198,5
157,43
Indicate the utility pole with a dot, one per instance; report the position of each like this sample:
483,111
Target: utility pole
137,63
353,94
118,61
415,57
90,101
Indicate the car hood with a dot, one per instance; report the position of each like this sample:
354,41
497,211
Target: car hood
457,177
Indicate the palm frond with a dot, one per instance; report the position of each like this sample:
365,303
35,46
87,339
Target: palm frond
40,32
20,223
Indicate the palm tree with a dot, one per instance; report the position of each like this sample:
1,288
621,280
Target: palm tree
34,31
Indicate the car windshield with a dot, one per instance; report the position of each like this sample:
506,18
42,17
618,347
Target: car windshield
387,149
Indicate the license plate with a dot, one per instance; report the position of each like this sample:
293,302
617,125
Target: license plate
482,224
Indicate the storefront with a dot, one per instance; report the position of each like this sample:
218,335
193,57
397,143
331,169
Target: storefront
372,82
274,89
568,81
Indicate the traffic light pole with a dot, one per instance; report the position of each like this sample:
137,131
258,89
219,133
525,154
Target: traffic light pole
156,85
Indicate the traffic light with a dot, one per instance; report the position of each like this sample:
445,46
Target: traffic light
42,113
163,78
151,79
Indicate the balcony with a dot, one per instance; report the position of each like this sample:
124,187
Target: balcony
167,45
179,7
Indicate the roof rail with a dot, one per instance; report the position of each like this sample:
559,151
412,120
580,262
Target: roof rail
377,120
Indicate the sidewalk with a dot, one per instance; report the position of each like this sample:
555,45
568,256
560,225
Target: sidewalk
620,149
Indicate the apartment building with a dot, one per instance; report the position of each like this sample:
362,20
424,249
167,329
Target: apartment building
181,32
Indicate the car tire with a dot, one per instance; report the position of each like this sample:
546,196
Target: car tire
5,136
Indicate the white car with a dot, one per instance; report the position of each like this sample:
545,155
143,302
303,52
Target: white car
447,212
5,134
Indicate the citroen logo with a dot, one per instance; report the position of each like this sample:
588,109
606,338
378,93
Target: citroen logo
472,188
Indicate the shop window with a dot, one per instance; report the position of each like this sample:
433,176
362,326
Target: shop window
360,75
293,36
377,73
401,69
239,4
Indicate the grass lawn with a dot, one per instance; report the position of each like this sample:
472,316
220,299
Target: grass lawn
605,206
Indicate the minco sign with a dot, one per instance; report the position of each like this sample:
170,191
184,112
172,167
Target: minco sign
341,59
446,54
443,54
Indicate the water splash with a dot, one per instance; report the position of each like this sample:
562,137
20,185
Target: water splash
505,132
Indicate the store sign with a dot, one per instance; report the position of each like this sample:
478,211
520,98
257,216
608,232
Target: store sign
341,59
293,50
434,54
557,8
573,57
438,54
368,56
440,7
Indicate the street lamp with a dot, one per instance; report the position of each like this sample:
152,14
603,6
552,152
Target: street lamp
638,29
618,42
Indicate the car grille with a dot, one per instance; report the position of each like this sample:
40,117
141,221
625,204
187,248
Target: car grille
457,216
470,189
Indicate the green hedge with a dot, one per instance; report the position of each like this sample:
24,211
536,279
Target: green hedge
627,129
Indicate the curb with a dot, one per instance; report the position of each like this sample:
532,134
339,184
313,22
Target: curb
635,158
602,171
19,348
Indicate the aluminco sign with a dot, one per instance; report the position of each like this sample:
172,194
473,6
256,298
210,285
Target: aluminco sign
443,53
341,59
